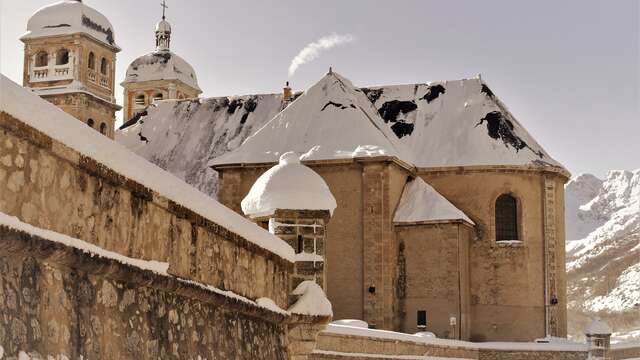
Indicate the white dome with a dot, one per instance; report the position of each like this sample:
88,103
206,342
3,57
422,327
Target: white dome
70,17
161,65
289,185
163,26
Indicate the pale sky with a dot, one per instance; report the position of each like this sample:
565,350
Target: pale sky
568,70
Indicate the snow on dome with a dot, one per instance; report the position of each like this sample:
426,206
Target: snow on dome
161,65
289,185
598,327
421,202
70,17
331,120
312,300
163,26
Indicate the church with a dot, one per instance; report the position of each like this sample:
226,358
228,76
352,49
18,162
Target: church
429,206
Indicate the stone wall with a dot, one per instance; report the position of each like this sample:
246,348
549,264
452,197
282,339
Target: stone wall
48,185
437,277
56,300
507,280
619,352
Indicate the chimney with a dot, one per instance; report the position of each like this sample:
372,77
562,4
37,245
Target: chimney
287,95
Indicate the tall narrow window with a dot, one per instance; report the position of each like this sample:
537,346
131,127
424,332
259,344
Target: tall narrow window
92,61
104,66
506,218
91,123
103,129
62,57
422,319
42,59
300,244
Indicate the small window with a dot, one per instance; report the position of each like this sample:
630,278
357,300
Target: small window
104,66
157,96
140,100
91,123
42,59
62,57
103,129
422,319
91,63
506,218
300,244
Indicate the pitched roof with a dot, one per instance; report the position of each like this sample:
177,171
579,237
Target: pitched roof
332,120
420,202
456,123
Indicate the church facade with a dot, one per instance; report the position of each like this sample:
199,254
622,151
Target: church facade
449,216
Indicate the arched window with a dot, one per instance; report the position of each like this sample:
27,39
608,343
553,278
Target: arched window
103,129
92,61
91,123
104,66
140,100
506,218
42,59
157,96
62,57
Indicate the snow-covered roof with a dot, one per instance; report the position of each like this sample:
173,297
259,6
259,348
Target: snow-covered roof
161,65
420,202
598,327
332,120
288,185
70,17
49,119
456,123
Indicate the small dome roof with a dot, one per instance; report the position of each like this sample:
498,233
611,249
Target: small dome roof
289,185
163,26
70,17
598,327
161,65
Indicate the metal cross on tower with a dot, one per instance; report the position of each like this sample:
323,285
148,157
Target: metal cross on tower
164,7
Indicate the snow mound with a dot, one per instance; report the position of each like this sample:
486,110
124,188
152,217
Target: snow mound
70,17
352,323
332,120
49,119
598,327
161,65
421,202
312,300
288,185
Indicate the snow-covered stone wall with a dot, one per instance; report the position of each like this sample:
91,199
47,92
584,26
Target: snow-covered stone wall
63,302
47,184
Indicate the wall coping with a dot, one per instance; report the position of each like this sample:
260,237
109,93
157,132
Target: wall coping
24,243
434,222
96,168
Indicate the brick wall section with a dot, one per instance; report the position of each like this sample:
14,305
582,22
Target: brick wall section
48,185
55,300
625,353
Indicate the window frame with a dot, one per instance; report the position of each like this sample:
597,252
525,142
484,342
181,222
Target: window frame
62,53
518,218
91,61
38,57
104,66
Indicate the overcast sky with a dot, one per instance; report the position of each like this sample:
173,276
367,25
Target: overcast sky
568,70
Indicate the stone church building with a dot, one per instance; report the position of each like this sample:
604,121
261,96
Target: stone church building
424,207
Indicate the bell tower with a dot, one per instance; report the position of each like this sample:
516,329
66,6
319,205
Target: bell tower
69,60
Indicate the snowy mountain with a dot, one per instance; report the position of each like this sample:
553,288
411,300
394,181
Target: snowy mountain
603,250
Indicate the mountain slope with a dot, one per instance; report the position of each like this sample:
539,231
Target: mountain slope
603,249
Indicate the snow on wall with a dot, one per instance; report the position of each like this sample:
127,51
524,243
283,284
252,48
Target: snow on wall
421,202
70,17
50,120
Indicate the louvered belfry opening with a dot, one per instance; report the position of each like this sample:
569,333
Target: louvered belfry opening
506,218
